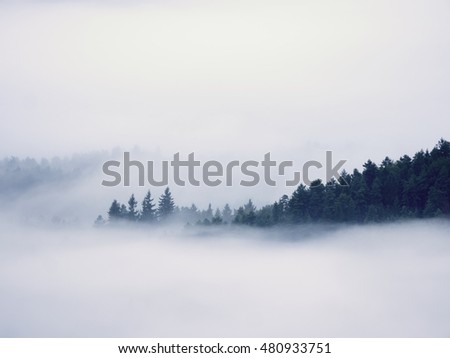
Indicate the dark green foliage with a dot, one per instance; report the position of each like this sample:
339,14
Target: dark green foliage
246,214
227,215
299,204
166,205
407,188
148,212
265,216
114,212
123,212
133,214
279,211
207,214
239,216
217,219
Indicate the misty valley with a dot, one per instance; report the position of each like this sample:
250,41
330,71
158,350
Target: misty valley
224,169
375,280
365,259
417,187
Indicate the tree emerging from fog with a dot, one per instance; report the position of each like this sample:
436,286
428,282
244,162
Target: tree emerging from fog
417,187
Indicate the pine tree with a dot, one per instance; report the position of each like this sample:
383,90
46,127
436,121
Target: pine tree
264,216
114,212
123,212
227,214
193,214
409,187
239,216
345,208
208,214
249,207
276,212
298,205
99,222
166,205
316,200
217,219
370,172
133,214
148,212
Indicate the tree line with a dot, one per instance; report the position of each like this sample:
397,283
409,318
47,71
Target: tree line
416,187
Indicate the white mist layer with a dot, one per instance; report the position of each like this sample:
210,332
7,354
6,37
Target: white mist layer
369,281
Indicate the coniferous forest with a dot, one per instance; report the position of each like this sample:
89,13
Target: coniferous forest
417,187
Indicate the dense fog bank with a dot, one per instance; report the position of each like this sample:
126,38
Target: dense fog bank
359,281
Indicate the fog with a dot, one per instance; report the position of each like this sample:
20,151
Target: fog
232,79
388,280
228,80
69,188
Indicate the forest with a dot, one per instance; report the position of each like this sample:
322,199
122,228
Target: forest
417,187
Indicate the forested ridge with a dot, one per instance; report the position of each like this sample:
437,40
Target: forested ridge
417,187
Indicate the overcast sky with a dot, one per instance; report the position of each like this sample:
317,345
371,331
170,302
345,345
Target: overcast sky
235,78
229,79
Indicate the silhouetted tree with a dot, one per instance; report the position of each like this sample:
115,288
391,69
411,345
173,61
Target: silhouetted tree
227,214
166,205
148,212
99,222
114,212
133,213
217,219
406,188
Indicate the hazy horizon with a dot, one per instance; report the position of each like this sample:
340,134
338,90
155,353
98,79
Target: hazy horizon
84,81
234,79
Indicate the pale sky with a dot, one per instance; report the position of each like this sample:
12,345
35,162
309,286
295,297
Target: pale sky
228,80
231,78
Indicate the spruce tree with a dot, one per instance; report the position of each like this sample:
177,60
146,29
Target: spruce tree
123,212
148,213
227,215
166,205
133,214
217,219
114,212
249,207
99,222
208,213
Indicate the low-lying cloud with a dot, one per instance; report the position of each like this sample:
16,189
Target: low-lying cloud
362,281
